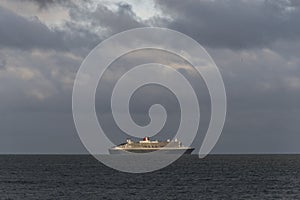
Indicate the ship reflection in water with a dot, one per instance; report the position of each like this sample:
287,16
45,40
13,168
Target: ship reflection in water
146,146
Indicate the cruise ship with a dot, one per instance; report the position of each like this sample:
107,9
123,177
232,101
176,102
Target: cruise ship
146,145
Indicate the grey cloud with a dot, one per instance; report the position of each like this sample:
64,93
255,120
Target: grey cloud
30,33
262,107
2,63
37,82
113,21
234,24
80,32
24,33
261,83
45,4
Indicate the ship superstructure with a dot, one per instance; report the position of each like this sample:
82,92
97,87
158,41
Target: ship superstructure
146,145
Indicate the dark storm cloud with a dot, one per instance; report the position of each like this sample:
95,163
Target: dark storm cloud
263,101
25,33
26,43
28,33
44,4
113,21
41,62
2,63
234,24
38,65
19,32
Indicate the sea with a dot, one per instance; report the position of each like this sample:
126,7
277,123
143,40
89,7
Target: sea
214,177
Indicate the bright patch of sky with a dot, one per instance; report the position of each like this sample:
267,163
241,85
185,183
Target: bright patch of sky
143,9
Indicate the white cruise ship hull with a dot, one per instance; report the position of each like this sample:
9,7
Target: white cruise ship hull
162,151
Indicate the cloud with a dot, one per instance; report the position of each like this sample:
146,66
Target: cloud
44,4
2,63
255,44
107,20
25,33
234,24
85,28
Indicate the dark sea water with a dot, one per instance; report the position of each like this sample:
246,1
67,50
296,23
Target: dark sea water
215,177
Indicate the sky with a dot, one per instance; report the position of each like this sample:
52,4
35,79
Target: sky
255,44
